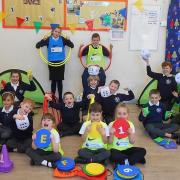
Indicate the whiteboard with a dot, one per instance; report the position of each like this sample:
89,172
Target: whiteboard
144,28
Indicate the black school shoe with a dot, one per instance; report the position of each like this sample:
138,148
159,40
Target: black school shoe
175,135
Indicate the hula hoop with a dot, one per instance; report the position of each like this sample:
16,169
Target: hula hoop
110,58
43,58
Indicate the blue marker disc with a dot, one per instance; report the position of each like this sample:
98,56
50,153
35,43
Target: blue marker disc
42,138
65,164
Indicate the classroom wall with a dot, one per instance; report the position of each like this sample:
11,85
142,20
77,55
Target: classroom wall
17,50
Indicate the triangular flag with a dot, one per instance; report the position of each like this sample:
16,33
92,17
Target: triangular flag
2,15
139,5
37,26
72,28
20,21
54,26
123,12
90,24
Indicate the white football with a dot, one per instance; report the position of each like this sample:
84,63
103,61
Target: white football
145,54
93,70
177,78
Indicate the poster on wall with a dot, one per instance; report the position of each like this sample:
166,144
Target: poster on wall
144,28
77,14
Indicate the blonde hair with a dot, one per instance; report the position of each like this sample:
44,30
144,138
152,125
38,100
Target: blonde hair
28,101
121,105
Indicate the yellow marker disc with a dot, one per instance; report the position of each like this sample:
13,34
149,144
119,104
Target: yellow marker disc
94,133
125,177
95,169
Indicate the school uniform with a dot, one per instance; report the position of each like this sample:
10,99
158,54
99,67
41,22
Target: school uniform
56,54
166,85
21,134
109,103
70,124
153,122
122,149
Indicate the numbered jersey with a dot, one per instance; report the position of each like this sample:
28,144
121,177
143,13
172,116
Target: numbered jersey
121,143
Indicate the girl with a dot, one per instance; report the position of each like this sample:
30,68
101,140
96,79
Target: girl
17,86
122,148
6,116
47,156
56,53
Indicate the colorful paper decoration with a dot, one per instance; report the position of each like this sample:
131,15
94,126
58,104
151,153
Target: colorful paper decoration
37,26
123,12
72,28
54,26
139,5
90,24
20,21
2,15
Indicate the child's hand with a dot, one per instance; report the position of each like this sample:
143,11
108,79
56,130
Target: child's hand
48,97
18,116
112,131
90,96
101,130
81,46
34,136
30,77
45,37
130,131
52,137
175,94
67,37
126,89
111,46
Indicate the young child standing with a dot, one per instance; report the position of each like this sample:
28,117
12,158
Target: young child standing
94,146
17,86
56,53
166,83
22,128
69,109
152,116
122,148
49,155
6,116
109,103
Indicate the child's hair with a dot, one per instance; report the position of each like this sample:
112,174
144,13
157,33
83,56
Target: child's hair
95,107
154,91
95,35
28,101
115,82
68,93
15,71
48,116
164,64
95,78
6,94
121,105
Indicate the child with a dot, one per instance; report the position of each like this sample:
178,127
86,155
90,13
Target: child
69,109
122,148
152,116
6,116
47,156
22,128
56,53
17,86
166,83
95,52
109,103
94,148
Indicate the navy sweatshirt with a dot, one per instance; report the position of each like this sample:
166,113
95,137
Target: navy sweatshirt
109,103
156,114
69,115
166,85
19,93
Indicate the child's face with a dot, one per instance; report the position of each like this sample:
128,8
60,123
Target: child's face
113,88
47,123
166,70
93,83
56,33
26,108
95,116
15,78
95,41
122,113
154,98
69,100
8,102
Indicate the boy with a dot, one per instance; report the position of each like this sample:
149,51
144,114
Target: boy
94,144
152,116
69,109
109,103
22,128
166,83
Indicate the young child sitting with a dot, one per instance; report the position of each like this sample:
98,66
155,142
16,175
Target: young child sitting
94,135
22,128
152,116
122,148
6,116
49,155
17,86
166,83
109,103
70,110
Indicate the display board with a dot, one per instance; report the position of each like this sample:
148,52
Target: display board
70,14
